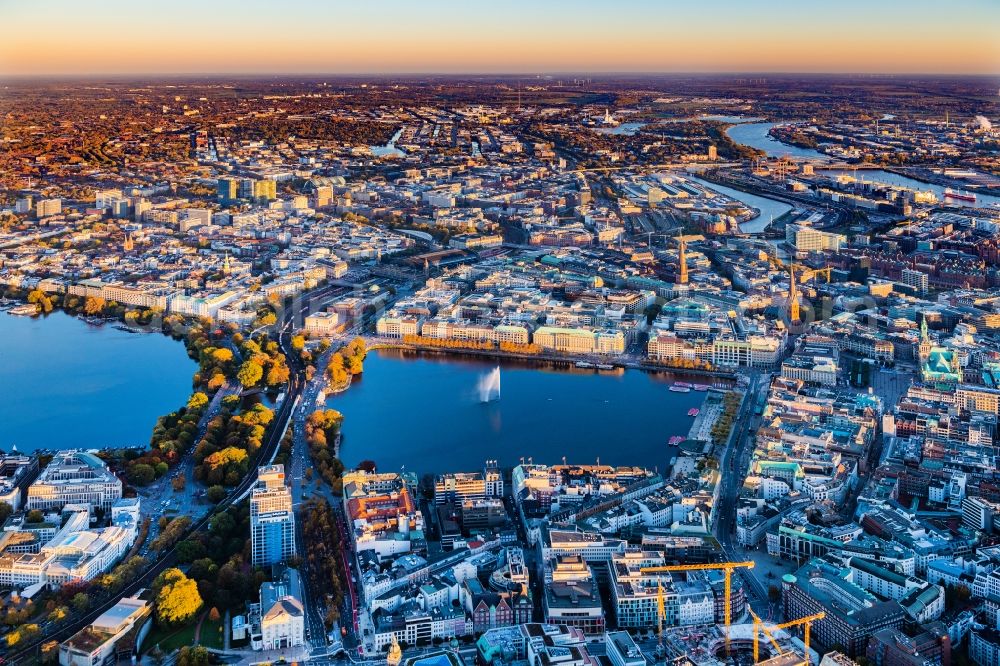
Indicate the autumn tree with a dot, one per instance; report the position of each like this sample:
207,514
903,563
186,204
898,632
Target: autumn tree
337,371
177,598
41,300
277,374
193,656
222,355
250,373
197,401
94,305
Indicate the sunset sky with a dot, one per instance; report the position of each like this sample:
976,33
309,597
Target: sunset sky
472,36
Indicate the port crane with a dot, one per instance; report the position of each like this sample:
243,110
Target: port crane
727,567
759,627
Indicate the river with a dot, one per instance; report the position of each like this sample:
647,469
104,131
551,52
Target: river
756,135
878,175
425,413
73,385
625,129
390,148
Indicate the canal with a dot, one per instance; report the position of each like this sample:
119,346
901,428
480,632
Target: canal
426,413
770,209
73,385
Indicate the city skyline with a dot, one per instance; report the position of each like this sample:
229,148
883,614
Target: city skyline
264,267
306,37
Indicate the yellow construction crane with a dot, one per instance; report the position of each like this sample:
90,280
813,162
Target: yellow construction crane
793,281
726,567
805,622
758,628
805,274
661,612
813,273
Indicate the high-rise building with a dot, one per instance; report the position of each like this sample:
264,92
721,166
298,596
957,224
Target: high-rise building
227,189
261,190
916,279
977,513
272,519
457,487
47,207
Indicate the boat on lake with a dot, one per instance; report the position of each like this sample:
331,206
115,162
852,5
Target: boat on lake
26,310
694,411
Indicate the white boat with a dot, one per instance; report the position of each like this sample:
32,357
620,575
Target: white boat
26,310
680,389
584,364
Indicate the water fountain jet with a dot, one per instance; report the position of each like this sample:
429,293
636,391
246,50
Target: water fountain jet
489,386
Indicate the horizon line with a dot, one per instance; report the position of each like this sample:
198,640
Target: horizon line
499,74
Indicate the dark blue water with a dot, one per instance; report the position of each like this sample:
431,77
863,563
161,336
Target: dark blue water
68,384
425,413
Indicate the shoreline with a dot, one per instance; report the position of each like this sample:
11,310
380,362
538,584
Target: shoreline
552,360
719,382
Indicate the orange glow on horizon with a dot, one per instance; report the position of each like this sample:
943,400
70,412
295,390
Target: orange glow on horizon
270,41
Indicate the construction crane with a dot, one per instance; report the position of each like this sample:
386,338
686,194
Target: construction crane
661,612
726,567
805,274
758,628
793,282
813,273
805,622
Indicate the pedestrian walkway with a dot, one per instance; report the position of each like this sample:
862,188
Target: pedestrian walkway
197,629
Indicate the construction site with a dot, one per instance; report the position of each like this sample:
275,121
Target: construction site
745,644
748,644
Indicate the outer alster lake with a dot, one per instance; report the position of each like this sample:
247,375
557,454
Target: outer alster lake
68,384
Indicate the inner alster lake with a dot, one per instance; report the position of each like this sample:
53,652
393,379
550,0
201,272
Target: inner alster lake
68,384
426,413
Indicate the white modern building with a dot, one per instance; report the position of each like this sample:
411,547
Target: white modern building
74,477
98,643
